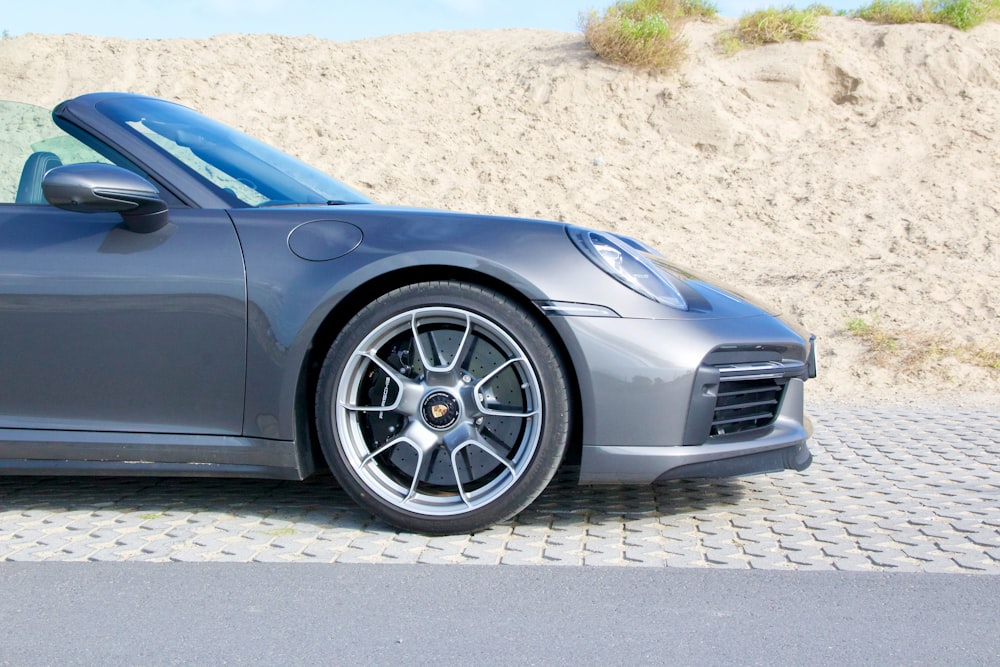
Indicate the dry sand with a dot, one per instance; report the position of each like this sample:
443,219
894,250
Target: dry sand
855,176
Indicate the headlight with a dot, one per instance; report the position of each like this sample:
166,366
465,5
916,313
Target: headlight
624,261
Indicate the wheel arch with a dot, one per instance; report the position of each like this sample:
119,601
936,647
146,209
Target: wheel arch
352,303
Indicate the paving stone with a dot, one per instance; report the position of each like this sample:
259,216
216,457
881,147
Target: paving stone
892,489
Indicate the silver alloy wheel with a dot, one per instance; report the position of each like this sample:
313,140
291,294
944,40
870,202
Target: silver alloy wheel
439,411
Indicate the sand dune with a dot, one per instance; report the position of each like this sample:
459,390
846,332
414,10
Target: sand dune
854,177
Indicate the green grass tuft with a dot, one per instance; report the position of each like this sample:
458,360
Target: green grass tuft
668,9
820,9
877,339
772,25
961,14
702,9
643,33
896,11
966,14
913,352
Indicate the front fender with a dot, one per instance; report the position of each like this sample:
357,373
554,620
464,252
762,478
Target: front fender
290,298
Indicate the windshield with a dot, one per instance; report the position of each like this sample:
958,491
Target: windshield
252,171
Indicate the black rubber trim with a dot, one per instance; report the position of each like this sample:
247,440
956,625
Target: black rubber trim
796,457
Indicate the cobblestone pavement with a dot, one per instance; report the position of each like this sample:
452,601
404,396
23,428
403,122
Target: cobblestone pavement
890,489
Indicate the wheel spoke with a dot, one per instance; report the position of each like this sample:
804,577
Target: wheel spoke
480,403
499,369
485,447
463,347
406,398
490,412
426,356
386,447
425,359
424,459
458,477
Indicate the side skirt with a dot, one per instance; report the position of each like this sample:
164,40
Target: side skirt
44,452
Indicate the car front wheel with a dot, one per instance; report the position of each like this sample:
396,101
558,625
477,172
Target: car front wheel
442,408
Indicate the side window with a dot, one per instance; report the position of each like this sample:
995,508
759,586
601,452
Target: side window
30,145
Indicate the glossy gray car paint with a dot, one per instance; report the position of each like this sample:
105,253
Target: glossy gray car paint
110,330
629,369
642,464
634,373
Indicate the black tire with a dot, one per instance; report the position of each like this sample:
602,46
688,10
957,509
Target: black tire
442,408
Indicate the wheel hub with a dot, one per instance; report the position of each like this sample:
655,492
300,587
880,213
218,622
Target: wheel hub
440,410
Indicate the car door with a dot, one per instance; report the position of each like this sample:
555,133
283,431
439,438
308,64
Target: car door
106,329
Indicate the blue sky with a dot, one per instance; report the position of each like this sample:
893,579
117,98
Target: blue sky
334,19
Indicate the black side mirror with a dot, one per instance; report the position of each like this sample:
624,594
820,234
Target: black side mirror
94,187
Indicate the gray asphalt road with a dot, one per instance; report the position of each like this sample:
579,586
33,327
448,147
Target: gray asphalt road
161,614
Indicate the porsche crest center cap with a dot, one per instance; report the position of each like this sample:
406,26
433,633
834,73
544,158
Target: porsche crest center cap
440,410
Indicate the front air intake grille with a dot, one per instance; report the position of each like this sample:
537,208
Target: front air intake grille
745,404
749,394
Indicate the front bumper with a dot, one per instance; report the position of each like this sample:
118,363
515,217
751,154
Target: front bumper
782,447
658,399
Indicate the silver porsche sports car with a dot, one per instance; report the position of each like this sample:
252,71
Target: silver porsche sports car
177,298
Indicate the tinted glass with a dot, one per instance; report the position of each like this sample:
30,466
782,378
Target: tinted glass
254,172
